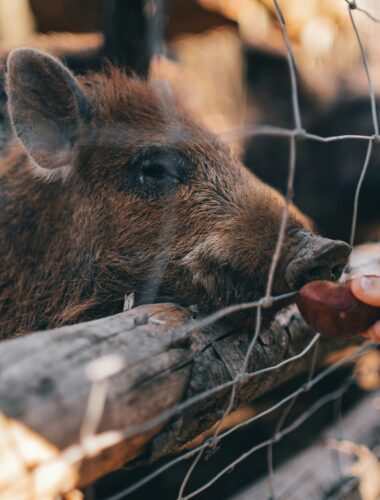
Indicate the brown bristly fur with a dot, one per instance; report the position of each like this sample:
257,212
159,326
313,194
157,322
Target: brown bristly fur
73,246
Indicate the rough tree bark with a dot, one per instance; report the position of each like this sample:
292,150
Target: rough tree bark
50,381
44,391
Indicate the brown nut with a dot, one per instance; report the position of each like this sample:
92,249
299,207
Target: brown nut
333,310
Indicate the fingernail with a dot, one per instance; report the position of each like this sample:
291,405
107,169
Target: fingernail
366,283
369,284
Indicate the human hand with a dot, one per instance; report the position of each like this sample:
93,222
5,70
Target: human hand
367,290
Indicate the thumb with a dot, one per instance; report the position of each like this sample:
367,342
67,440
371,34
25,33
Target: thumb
367,289
373,333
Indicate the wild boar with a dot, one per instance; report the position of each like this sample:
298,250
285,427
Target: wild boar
111,187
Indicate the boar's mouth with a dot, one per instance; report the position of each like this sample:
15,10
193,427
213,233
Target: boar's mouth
312,258
309,257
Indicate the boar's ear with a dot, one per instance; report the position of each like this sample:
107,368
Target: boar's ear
46,107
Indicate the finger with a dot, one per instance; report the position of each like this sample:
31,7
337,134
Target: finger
373,333
367,289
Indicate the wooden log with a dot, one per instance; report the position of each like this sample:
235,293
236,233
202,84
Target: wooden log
45,387
81,400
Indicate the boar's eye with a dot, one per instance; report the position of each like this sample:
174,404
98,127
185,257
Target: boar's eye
159,172
155,173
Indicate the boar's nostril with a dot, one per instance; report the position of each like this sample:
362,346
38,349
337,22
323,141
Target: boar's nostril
318,259
319,273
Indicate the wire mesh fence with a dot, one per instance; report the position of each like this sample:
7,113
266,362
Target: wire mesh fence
294,135
196,455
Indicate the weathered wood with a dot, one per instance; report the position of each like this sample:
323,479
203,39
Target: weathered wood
46,379
44,386
318,469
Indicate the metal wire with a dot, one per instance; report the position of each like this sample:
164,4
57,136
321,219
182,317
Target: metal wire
353,5
288,402
283,417
270,131
306,387
293,134
231,403
371,90
287,430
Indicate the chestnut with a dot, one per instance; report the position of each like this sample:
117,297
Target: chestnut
332,309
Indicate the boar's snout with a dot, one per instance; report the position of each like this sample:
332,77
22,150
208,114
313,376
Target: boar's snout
316,258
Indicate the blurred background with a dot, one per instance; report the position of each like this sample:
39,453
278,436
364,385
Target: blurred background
200,32
228,59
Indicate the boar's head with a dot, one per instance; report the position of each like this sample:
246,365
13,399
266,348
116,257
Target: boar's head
127,192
